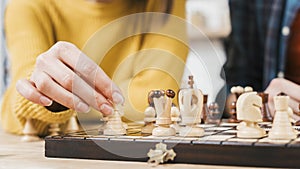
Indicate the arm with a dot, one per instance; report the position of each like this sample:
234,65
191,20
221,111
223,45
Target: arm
159,65
28,33
54,74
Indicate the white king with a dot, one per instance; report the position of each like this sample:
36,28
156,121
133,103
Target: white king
191,104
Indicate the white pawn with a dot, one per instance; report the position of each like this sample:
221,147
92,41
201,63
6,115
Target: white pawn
248,89
175,118
72,125
248,110
149,120
54,129
114,125
282,128
30,134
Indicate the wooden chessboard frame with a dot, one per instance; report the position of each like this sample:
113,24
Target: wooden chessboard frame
219,146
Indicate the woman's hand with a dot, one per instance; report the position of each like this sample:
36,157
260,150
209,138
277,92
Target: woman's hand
66,75
291,89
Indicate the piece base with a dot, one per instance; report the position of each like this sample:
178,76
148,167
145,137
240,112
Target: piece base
163,131
191,131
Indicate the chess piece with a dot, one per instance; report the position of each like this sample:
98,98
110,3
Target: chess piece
54,129
163,113
248,110
191,104
149,116
213,116
72,125
265,111
175,118
248,89
282,128
298,114
114,125
237,91
30,134
204,109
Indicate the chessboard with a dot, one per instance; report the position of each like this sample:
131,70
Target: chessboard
218,146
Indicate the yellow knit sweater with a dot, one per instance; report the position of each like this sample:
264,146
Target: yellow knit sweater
33,26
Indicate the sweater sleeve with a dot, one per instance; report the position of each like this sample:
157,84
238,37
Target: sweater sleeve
159,64
29,33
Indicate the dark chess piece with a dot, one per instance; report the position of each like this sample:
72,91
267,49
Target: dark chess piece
214,116
233,118
204,109
265,111
237,91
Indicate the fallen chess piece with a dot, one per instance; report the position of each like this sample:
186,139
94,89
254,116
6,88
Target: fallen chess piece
160,154
282,128
248,110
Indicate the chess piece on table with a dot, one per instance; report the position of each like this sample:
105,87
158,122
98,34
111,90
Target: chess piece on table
191,104
282,128
54,129
175,118
163,113
266,115
114,125
30,133
149,116
214,115
72,125
204,109
248,110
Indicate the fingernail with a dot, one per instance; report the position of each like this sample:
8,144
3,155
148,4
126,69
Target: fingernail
82,107
117,98
106,109
45,101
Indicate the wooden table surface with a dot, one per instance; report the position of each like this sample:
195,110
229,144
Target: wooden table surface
15,154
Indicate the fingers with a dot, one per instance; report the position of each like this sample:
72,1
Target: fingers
282,85
279,85
88,70
48,87
70,81
28,90
294,105
64,74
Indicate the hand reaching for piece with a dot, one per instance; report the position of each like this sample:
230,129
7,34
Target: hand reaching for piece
66,75
291,89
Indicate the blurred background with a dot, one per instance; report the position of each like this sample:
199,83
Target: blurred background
210,17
